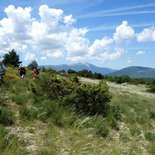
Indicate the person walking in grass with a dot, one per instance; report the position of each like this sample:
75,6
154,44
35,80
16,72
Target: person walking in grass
22,71
35,73
2,71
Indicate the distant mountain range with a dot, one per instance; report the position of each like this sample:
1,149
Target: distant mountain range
133,71
81,66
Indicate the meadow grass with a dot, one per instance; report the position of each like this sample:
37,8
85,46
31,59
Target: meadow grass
43,126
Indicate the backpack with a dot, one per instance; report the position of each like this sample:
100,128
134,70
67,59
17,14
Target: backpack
2,70
23,70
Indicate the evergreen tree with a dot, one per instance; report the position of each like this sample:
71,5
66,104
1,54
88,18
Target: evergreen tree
33,64
11,58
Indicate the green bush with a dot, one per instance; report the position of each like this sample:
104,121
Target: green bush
152,88
88,99
84,98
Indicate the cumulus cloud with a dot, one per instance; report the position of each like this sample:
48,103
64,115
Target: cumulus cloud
55,36
43,58
112,55
29,56
140,53
123,32
99,46
148,34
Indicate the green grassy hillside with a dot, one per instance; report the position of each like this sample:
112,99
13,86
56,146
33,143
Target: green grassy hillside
37,119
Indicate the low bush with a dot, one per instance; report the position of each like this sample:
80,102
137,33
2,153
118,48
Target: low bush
88,99
84,98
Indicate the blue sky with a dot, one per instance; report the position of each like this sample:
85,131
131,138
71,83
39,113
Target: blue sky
109,33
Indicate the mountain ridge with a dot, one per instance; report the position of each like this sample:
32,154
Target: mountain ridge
131,71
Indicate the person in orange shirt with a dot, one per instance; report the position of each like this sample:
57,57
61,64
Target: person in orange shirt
35,73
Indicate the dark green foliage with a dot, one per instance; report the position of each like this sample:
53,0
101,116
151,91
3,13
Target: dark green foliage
6,117
152,114
102,129
84,98
85,73
11,58
33,64
150,136
88,99
98,76
127,79
74,79
122,79
152,88
71,71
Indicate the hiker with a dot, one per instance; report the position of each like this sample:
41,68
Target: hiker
22,71
35,73
2,71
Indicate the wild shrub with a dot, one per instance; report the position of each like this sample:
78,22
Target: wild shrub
6,117
11,76
88,99
152,88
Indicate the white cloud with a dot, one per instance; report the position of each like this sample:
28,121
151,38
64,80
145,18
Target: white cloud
123,32
99,46
43,58
129,61
55,36
29,56
115,54
140,53
148,34
69,20
55,54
